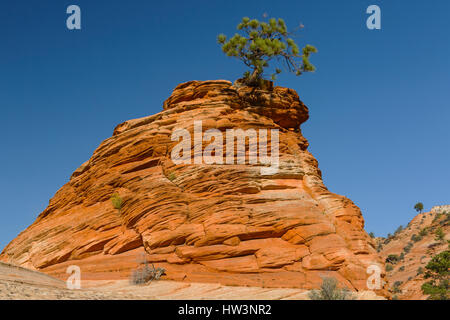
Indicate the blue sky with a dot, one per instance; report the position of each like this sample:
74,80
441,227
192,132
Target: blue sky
378,101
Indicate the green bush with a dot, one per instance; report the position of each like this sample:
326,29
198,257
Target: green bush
389,267
423,232
329,291
438,271
416,237
117,201
408,247
399,229
392,258
439,234
397,285
261,42
172,176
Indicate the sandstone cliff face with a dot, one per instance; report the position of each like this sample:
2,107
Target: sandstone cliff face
415,246
203,222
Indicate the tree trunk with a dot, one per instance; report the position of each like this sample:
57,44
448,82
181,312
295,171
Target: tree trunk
253,80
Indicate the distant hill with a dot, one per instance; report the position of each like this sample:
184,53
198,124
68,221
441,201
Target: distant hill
410,249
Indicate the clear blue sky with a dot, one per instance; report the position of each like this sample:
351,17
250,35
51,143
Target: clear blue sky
379,101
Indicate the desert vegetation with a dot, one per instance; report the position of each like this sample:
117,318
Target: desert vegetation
437,271
418,207
329,290
145,273
261,42
117,201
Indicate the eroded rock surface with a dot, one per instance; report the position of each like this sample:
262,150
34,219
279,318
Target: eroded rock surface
214,223
408,251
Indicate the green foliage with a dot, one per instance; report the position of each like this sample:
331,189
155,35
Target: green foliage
172,176
397,285
416,237
392,258
262,41
438,271
379,247
437,216
439,234
117,201
399,229
408,247
372,235
418,206
423,232
402,268
419,271
439,264
389,267
329,291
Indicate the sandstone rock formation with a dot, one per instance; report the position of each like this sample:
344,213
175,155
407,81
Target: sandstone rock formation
222,223
415,246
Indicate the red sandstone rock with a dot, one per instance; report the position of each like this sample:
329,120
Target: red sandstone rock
222,223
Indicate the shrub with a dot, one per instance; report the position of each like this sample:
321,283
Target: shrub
117,201
408,247
141,276
392,258
438,271
416,238
145,273
419,271
399,229
329,291
172,176
437,216
402,268
389,267
397,285
379,247
439,234
372,235
423,232
445,221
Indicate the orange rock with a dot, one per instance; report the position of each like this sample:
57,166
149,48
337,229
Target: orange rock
220,222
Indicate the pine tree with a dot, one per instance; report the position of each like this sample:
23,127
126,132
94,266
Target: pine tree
419,207
261,42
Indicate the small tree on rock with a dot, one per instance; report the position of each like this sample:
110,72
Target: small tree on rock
419,207
261,42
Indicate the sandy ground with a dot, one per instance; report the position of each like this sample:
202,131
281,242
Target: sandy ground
23,284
